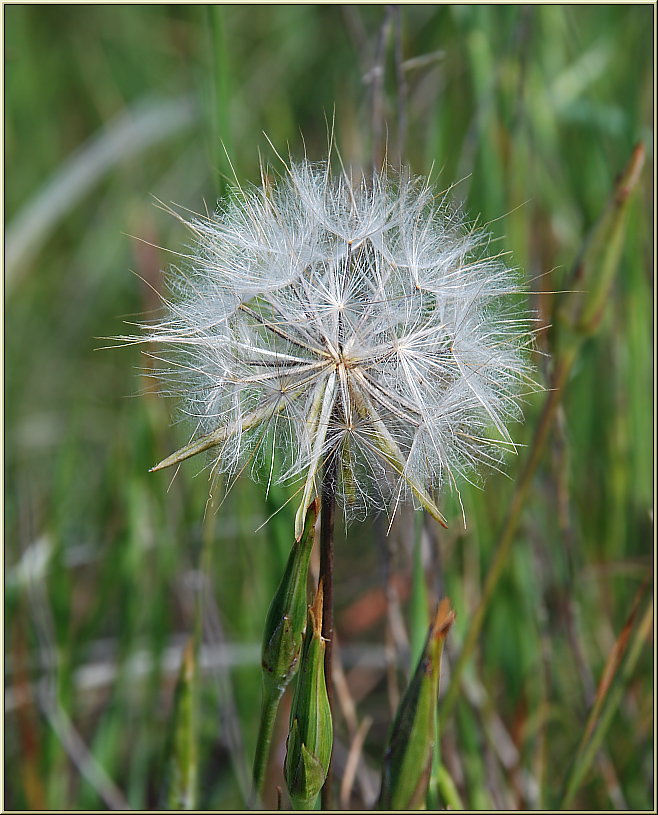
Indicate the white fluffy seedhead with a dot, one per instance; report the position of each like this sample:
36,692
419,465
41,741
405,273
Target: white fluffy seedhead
321,319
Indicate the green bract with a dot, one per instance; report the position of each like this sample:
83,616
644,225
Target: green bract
282,638
408,758
286,618
311,730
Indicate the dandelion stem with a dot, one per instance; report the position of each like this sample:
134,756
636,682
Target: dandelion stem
327,577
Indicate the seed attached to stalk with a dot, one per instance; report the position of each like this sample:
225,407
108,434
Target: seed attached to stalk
322,315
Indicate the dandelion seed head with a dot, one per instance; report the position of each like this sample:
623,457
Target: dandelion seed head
366,322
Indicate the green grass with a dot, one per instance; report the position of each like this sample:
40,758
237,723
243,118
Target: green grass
531,112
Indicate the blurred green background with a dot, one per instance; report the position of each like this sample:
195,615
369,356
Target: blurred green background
533,111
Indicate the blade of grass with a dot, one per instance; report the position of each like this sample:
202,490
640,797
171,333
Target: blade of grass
578,318
133,131
181,754
69,737
597,723
210,627
219,99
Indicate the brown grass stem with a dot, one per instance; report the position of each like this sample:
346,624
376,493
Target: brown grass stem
506,535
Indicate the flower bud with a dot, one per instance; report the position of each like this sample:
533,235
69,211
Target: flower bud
311,731
408,757
282,639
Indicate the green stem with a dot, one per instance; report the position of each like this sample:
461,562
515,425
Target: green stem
419,604
267,718
219,98
327,578
207,540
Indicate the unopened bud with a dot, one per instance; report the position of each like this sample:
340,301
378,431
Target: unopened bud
282,640
311,731
286,618
408,757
